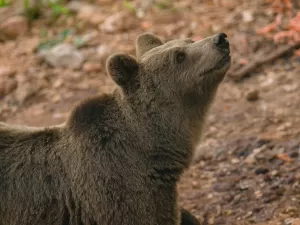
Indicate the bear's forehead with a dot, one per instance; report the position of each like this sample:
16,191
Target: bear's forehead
165,48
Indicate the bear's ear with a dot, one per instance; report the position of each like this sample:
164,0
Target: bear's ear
145,42
122,68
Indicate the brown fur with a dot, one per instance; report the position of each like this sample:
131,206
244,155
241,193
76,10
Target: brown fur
118,157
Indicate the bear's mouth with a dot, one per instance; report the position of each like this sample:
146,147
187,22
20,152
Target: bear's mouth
225,60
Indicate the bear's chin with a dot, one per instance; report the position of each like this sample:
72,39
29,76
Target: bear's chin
220,67
218,72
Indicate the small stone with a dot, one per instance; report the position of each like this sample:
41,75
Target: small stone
235,161
195,184
87,12
210,196
294,154
24,92
90,67
223,186
93,16
297,176
120,21
296,221
11,85
258,194
284,126
89,37
290,87
56,99
58,83
103,51
6,72
274,173
261,171
267,177
14,27
5,13
247,16
246,184
63,55
252,95
288,221
250,159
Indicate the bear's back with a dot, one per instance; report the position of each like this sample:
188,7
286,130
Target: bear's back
31,173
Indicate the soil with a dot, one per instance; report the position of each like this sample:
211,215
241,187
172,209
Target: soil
247,168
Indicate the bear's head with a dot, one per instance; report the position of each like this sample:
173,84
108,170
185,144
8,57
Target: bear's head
182,72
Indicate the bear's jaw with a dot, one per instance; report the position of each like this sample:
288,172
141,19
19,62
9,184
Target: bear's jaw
220,68
224,62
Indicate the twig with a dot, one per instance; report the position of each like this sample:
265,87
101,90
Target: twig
261,59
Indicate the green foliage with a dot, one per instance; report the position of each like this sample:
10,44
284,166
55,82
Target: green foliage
163,4
26,4
128,4
3,3
50,43
56,7
78,41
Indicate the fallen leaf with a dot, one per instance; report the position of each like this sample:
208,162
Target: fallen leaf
284,157
243,61
146,24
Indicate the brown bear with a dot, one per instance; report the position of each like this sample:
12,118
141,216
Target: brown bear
118,157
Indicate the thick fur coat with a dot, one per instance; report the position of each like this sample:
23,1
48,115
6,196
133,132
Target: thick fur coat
118,157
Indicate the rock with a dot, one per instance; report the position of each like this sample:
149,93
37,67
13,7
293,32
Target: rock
246,184
274,173
252,95
58,83
261,170
250,159
103,51
20,8
288,221
284,127
120,21
5,13
8,82
247,16
56,99
89,37
235,161
76,6
223,186
25,91
258,194
290,87
63,55
297,176
90,67
208,149
28,45
87,12
14,27
6,72
294,154
11,85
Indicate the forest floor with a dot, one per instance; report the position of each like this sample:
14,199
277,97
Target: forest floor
247,168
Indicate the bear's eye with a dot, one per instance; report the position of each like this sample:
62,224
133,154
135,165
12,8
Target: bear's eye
180,57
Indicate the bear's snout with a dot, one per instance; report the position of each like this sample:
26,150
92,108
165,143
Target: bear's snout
221,42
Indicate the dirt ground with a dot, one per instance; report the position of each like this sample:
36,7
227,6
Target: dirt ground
247,168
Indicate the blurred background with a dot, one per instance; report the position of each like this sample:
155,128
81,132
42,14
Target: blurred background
247,169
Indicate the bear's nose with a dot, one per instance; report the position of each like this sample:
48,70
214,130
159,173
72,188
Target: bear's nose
220,41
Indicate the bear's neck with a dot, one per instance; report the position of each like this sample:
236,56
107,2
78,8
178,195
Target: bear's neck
172,132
